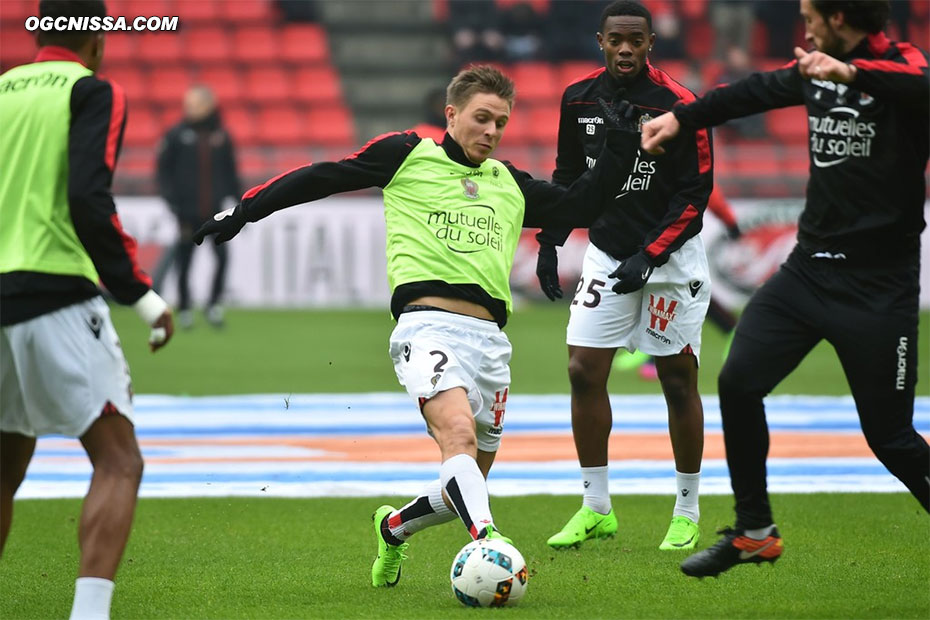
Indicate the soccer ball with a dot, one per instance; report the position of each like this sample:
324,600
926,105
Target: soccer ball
488,573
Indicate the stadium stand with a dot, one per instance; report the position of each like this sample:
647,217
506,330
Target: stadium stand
303,89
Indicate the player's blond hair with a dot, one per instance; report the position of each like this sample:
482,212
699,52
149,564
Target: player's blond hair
479,79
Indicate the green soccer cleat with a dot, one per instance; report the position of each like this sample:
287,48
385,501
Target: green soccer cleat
682,534
385,572
491,533
584,525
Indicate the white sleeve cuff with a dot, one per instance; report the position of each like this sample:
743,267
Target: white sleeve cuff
150,306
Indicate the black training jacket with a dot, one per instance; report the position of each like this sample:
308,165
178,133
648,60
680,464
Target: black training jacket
868,147
658,203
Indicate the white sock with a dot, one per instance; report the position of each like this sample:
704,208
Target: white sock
761,533
466,488
92,597
686,500
425,511
596,495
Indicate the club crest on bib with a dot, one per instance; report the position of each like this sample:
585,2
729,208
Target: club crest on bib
471,188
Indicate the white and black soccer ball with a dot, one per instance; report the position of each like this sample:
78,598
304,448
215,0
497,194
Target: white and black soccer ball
489,573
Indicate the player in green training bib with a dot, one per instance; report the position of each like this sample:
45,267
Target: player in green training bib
454,217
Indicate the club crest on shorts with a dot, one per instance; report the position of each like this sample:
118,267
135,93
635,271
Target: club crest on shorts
471,188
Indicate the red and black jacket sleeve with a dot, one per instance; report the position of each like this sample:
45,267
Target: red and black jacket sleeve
98,118
757,93
899,74
579,203
683,219
374,165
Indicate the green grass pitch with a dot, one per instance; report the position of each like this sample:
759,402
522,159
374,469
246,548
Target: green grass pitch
847,555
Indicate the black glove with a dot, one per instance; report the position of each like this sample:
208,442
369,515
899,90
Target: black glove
547,270
621,115
632,273
225,225
733,232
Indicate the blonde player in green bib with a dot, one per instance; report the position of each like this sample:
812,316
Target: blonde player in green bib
454,217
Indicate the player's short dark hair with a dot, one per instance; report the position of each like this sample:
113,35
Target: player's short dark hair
476,79
626,7
866,15
72,39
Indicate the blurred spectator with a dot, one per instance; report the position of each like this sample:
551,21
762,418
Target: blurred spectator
666,23
298,10
434,116
738,65
732,21
196,173
570,35
783,23
522,28
476,33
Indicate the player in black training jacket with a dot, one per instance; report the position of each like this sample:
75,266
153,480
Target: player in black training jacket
645,283
853,278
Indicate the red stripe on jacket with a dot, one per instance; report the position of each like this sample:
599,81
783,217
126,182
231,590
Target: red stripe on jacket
131,251
259,188
888,66
671,233
684,96
117,116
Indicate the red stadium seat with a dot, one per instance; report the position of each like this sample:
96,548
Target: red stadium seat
304,43
16,11
248,11
168,84
133,8
208,45
516,132
544,124
198,12
120,48
225,82
759,40
143,128
331,125
255,45
290,158
699,40
241,123
132,80
317,85
254,167
789,125
160,47
574,70
17,46
535,81
268,84
280,125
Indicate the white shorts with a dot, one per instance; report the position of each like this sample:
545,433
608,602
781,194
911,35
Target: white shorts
435,351
60,371
663,318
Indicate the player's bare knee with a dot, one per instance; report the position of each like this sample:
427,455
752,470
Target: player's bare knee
126,464
584,376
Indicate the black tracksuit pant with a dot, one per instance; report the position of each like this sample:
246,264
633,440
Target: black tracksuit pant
869,314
